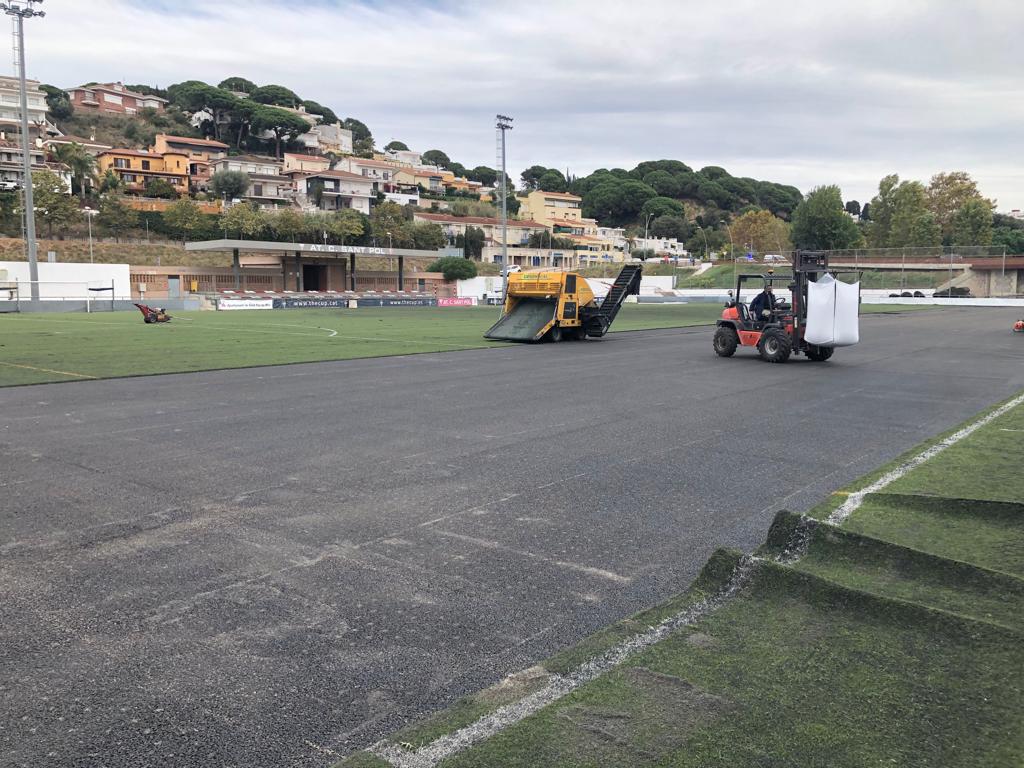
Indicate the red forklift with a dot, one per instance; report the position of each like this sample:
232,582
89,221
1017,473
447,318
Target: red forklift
781,334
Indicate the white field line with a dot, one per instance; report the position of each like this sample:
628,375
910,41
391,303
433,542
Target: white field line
855,499
559,686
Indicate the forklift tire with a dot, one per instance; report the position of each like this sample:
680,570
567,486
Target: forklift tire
819,354
726,340
775,346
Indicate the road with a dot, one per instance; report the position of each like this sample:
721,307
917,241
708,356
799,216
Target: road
275,566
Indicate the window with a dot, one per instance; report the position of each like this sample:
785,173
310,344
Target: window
122,162
145,165
257,190
111,98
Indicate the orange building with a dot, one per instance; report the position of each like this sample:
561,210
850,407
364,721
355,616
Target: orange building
136,169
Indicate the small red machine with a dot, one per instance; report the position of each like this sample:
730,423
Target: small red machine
1018,327
153,314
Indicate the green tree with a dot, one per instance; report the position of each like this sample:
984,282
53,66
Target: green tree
616,203
972,224
81,164
436,157
239,84
54,207
147,90
763,231
183,217
531,177
195,96
276,95
162,188
116,217
243,220
285,126
947,193
664,183
552,181
454,268
472,243
853,207
544,239
912,224
1010,238
486,176
396,146
388,224
110,182
427,236
346,224
326,113
820,221
670,226
58,104
661,206
882,208
288,224
229,185
360,131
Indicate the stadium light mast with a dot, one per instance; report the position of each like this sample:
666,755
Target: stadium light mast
21,10
504,124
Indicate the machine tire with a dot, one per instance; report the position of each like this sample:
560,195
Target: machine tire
819,354
149,319
775,346
555,334
726,340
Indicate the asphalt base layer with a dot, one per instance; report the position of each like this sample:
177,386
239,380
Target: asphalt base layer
274,567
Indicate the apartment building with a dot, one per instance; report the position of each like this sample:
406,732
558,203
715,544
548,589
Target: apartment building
334,191
268,186
200,152
549,207
11,159
296,163
137,169
113,98
10,105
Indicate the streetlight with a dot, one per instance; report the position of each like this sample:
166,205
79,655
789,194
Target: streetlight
89,213
646,223
702,234
21,10
731,254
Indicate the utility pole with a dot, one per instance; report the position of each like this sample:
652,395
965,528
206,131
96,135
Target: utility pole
503,125
21,10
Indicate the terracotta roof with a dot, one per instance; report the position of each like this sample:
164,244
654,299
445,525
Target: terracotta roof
562,195
248,159
131,153
336,175
567,223
314,158
122,91
193,142
446,219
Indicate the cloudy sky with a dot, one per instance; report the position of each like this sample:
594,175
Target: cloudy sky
804,93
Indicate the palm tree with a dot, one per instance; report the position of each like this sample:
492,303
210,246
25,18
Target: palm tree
81,164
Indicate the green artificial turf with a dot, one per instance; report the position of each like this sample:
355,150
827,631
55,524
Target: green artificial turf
793,672
44,347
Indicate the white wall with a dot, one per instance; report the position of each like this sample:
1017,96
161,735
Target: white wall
67,281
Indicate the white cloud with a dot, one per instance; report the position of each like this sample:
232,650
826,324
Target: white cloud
799,92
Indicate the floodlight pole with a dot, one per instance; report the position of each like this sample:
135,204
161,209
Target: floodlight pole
503,125
21,10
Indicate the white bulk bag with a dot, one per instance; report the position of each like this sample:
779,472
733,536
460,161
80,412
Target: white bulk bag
832,313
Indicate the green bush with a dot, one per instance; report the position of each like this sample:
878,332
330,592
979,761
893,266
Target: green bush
454,268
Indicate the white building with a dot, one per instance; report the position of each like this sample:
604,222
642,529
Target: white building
661,246
10,106
404,156
268,187
334,191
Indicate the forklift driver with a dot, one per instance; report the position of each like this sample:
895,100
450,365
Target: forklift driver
763,304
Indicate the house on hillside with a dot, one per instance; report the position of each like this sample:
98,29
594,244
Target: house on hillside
305,163
333,191
10,107
389,178
137,169
268,186
90,145
11,159
551,206
113,98
200,152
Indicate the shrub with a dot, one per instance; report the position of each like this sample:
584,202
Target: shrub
454,268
